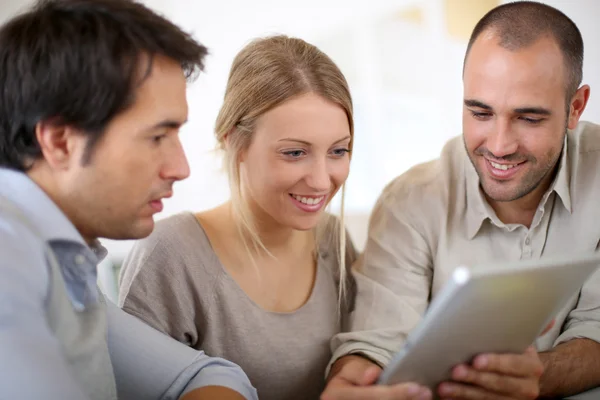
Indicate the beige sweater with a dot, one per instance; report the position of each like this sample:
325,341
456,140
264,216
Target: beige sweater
174,281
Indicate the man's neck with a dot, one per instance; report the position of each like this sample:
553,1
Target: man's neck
42,177
521,211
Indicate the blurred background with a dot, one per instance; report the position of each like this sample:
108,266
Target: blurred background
402,58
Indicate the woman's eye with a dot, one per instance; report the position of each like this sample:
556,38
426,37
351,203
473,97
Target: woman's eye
340,152
294,153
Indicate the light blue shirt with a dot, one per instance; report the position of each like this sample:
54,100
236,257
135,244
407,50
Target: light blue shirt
59,337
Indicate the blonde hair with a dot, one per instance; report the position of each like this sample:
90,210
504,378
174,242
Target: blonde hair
264,74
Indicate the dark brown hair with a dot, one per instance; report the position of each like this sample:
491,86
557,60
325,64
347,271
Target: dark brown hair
519,24
77,62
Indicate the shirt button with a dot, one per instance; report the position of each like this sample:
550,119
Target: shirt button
527,241
79,259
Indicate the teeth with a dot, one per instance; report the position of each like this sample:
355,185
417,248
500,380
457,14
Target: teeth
502,167
308,200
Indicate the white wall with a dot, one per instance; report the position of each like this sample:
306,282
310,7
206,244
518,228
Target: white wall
405,79
395,128
586,14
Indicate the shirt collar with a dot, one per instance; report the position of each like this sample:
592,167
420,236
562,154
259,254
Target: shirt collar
99,250
51,223
478,209
562,182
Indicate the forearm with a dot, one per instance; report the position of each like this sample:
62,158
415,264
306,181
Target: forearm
213,392
148,364
570,368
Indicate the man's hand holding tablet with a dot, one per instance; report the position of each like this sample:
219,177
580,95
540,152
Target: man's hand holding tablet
515,375
470,343
491,376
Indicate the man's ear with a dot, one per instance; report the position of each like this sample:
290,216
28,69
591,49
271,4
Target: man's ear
577,106
60,144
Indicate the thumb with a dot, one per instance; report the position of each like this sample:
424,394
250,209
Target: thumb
531,350
369,376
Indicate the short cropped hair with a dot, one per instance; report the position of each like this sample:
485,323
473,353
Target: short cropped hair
521,23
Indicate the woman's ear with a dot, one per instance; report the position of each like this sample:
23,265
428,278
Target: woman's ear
231,144
227,138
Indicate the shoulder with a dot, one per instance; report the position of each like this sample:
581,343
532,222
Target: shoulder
165,279
583,151
583,160
172,237
585,138
177,248
425,189
176,227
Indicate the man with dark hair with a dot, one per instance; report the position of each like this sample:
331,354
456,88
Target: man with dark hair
93,96
522,182
518,25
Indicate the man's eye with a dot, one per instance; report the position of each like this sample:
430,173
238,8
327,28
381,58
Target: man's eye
532,121
158,138
481,115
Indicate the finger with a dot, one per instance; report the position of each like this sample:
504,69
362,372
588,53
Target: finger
406,391
533,353
519,365
457,391
496,383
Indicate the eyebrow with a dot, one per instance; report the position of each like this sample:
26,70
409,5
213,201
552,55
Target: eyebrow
304,142
168,124
533,110
478,104
520,110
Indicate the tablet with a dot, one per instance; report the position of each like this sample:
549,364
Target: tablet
499,308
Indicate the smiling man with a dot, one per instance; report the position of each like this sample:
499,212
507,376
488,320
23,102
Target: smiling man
93,96
522,182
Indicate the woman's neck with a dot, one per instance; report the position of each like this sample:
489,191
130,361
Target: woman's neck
276,238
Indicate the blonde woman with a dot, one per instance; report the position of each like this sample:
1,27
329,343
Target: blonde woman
257,279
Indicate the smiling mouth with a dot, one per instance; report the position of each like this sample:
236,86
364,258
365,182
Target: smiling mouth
504,167
503,172
310,201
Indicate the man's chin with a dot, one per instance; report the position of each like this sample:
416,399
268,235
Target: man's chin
138,230
501,195
497,191
143,229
